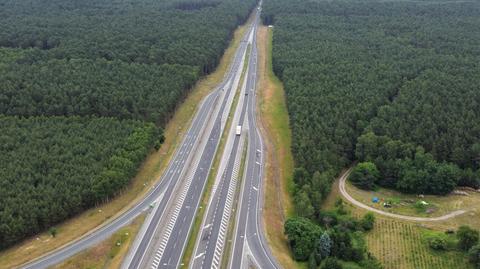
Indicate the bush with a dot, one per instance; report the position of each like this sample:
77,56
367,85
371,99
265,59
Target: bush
437,243
474,256
302,235
371,262
365,175
467,237
367,221
331,263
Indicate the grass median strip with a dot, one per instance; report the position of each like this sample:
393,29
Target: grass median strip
195,230
149,172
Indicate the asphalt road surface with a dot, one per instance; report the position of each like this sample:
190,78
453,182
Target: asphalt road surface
169,178
169,252
250,248
160,193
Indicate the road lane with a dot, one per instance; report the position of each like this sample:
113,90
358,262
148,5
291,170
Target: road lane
169,254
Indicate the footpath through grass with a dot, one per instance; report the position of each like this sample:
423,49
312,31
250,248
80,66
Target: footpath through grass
149,172
274,125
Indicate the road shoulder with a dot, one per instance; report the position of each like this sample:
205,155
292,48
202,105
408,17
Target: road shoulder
274,125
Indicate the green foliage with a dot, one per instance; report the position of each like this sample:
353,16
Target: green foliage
53,231
408,169
55,167
368,67
474,256
437,243
324,245
302,235
364,175
331,263
371,262
95,87
467,237
312,262
368,221
75,77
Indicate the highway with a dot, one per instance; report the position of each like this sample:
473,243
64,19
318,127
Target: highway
161,193
210,241
170,177
250,248
163,238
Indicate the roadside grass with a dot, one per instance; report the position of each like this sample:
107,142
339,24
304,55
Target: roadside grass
274,125
404,204
195,231
107,254
149,172
400,244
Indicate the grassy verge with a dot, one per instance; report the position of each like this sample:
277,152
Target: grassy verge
195,231
149,172
273,116
400,244
107,254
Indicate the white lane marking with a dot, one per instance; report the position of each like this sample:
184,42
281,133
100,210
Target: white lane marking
199,255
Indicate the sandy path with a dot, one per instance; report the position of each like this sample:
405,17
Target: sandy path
347,196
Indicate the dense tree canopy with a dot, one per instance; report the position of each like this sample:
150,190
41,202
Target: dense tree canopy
391,83
406,71
53,167
85,89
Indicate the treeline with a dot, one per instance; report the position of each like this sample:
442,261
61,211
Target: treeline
85,90
55,167
404,71
336,241
95,87
142,31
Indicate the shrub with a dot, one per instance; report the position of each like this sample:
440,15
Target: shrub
437,243
367,221
467,237
331,263
474,256
364,175
302,235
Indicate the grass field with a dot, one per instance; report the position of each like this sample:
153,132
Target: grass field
401,244
404,204
149,172
107,254
274,125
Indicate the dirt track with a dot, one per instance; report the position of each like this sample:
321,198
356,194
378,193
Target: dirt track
349,198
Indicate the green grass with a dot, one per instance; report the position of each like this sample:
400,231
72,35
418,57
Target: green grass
405,204
274,124
400,244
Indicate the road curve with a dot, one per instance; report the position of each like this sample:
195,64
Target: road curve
349,198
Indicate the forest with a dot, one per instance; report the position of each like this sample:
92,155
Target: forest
396,79
86,88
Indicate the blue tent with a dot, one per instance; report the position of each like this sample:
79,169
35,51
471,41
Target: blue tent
375,199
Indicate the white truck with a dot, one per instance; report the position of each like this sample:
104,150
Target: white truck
239,130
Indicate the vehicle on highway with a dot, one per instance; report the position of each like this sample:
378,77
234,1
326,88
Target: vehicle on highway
239,130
